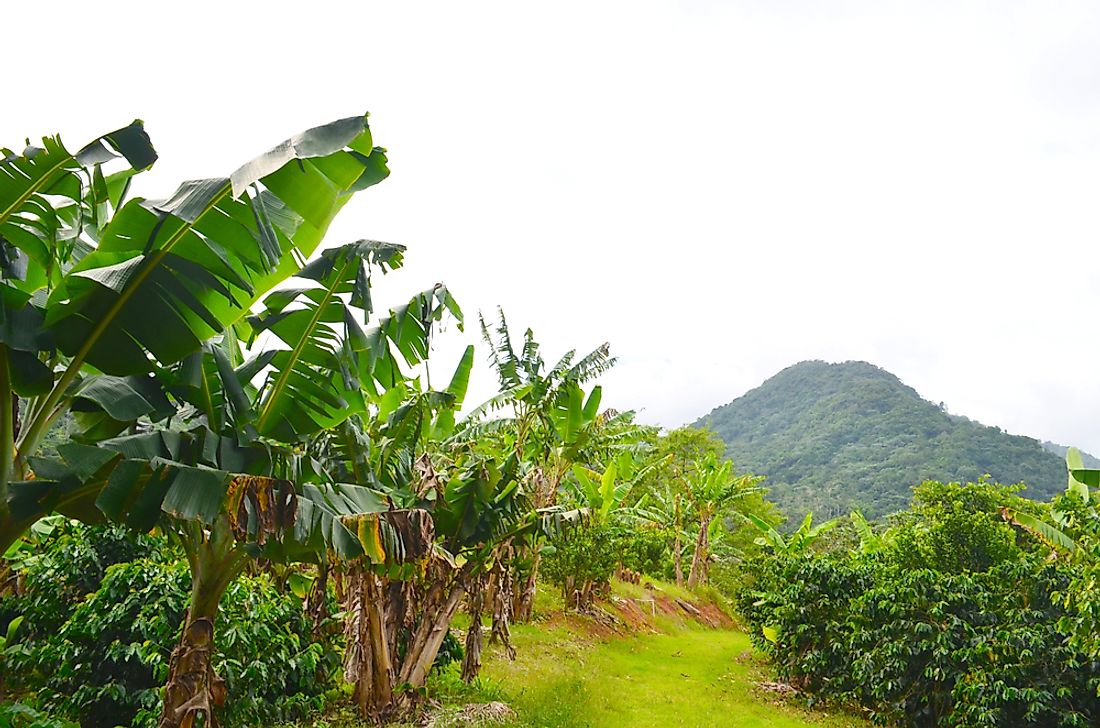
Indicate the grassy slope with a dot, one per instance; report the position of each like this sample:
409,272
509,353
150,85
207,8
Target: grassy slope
686,675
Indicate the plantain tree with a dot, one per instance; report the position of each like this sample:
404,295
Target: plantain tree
100,294
796,543
398,618
261,493
225,503
664,507
604,497
53,207
663,494
144,329
551,420
713,489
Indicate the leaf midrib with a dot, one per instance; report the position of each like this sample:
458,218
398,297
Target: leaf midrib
34,188
151,263
296,353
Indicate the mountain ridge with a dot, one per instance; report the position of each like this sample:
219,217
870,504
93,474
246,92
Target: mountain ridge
831,437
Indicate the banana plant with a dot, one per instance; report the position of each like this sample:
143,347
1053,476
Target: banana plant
49,198
667,508
798,542
713,488
604,494
227,499
134,287
475,503
479,510
548,406
225,504
551,420
869,541
227,478
333,370
1059,534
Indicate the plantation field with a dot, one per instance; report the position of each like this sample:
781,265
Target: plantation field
230,494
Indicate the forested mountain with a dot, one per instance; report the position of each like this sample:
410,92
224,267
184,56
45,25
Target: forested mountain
832,437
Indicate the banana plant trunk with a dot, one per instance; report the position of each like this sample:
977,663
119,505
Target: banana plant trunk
523,601
429,635
193,689
368,661
698,573
374,680
376,611
475,603
546,494
500,590
316,602
677,555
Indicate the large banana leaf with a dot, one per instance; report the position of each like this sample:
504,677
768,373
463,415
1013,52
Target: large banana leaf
200,476
22,337
1080,477
1052,536
104,406
53,490
44,191
356,522
331,367
572,415
543,523
769,536
217,382
501,352
479,504
169,274
443,424
314,383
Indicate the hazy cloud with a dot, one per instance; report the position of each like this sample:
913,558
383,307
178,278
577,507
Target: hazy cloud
720,189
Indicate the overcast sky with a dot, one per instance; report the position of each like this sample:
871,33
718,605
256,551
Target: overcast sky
719,189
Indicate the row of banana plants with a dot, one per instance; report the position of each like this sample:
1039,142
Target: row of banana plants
230,384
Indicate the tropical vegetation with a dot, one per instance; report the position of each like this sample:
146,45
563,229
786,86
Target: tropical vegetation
231,495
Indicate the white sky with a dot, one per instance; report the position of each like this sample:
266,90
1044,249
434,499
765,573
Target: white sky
720,189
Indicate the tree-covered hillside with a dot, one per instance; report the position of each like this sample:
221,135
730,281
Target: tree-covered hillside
832,437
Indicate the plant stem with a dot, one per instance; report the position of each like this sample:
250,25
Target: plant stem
7,431
192,688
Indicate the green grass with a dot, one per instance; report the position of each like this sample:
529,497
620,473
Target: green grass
690,677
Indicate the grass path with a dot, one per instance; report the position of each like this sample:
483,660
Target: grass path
690,677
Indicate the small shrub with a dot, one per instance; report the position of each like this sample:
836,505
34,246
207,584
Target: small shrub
582,562
923,648
644,550
65,569
17,715
108,662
